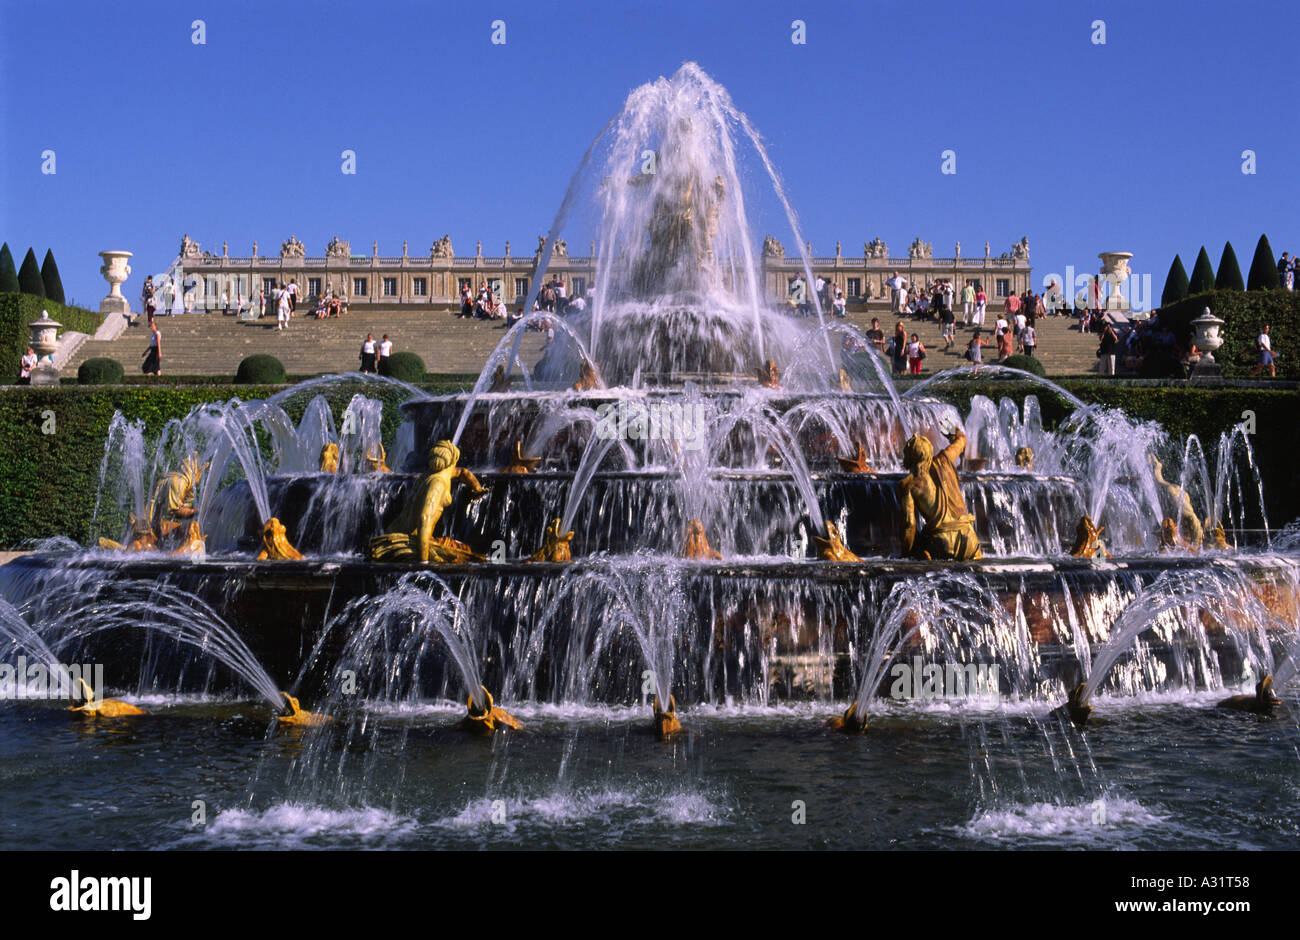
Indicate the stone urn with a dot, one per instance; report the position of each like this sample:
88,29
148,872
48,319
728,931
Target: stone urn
1207,340
45,341
115,270
1115,272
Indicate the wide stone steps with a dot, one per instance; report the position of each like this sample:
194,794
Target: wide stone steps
210,344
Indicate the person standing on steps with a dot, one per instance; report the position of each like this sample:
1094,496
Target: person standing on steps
385,351
153,355
283,307
369,350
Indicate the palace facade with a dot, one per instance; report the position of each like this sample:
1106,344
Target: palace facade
433,280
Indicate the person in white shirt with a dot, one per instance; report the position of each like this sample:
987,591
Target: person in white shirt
225,304
385,348
1000,326
839,304
282,308
1020,322
1266,357
26,366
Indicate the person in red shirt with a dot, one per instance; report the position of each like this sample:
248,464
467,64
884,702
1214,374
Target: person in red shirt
1011,306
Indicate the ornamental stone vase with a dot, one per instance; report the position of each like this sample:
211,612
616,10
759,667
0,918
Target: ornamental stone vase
45,341
115,271
1114,271
1207,327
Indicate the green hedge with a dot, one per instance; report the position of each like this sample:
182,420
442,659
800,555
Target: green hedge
1024,363
18,310
100,371
1244,314
403,366
260,369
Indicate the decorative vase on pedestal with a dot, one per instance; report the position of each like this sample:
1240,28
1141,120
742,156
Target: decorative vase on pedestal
1114,271
115,271
1207,340
45,341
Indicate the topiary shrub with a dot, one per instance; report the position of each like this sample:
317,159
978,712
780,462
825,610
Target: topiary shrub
1024,364
261,369
403,366
100,371
29,276
1229,276
1202,275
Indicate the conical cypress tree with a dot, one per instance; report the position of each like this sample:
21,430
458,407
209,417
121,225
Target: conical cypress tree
29,276
1263,268
8,273
1229,276
1202,275
50,278
1175,284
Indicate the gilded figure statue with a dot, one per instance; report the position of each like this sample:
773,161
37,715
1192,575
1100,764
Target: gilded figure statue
519,463
769,376
587,378
932,489
275,543
1087,540
411,537
329,458
1025,458
1178,505
500,380
555,545
697,545
857,463
832,548
377,459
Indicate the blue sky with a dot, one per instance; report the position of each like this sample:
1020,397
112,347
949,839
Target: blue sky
1133,145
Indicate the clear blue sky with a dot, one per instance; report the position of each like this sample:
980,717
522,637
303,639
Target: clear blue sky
1134,145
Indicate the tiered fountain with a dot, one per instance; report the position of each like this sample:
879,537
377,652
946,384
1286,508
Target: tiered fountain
691,498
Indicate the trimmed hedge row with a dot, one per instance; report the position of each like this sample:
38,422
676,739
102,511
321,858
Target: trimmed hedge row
17,310
52,439
1244,314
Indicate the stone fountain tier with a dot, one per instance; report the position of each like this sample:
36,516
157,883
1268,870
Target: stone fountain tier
739,616
559,424
744,512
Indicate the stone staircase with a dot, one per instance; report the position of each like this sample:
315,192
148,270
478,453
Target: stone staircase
1062,349
212,344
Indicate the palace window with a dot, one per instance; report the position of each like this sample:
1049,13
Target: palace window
268,284
1002,287
359,287
521,288
313,287
420,287
853,288
579,287
389,286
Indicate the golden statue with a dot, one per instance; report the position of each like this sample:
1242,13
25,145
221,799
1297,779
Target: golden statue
192,543
845,384
1025,458
172,502
1176,502
500,380
932,489
1218,539
1170,540
555,545
1263,702
857,463
832,547
377,459
275,543
1087,540
488,720
329,458
697,545
666,724
769,376
587,378
520,463
103,707
849,722
412,538
297,715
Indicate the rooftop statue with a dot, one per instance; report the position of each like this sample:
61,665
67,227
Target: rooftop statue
337,248
411,537
931,488
442,248
772,248
876,248
190,248
1020,250
919,249
293,249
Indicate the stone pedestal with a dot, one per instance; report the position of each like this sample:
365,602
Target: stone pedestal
115,271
